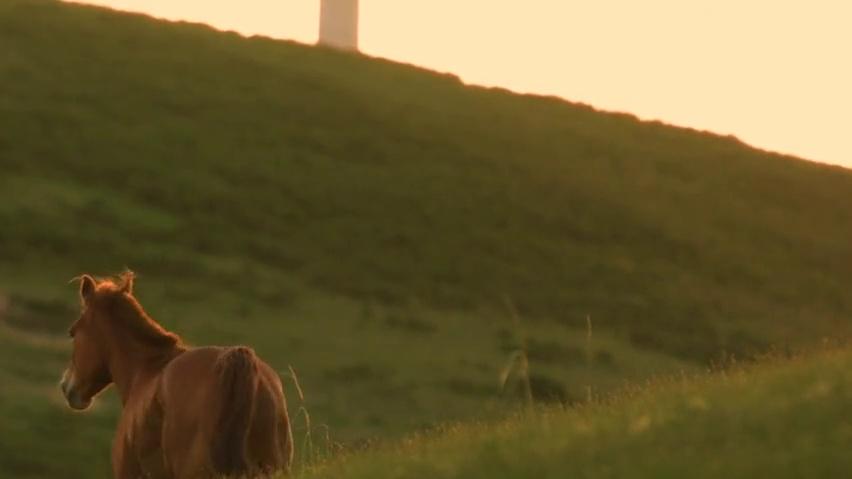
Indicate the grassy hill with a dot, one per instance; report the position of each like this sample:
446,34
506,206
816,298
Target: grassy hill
373,225
786,419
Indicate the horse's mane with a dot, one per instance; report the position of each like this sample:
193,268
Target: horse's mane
125,310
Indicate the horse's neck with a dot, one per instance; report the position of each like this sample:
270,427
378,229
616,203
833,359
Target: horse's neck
133,366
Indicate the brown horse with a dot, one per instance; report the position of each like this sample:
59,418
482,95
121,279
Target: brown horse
187,412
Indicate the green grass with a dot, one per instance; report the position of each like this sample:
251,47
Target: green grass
38,435
782,419
121,136
380,373
365,221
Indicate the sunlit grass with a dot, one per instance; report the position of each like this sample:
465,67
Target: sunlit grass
781,419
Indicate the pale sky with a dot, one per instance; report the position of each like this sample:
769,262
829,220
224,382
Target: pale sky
775,73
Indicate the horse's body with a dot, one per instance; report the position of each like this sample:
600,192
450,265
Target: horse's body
187,412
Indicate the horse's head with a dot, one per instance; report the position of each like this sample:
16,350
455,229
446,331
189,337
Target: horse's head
88,373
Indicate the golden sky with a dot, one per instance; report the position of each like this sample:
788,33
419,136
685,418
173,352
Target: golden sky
775,73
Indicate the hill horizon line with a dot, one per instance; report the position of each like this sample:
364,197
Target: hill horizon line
426,69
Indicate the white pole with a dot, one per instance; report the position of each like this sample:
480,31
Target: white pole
339,24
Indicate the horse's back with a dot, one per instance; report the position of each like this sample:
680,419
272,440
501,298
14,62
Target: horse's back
198,391
189,378
188,397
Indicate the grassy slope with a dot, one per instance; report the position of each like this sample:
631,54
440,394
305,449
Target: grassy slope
776,420
364,220
121,135
38,438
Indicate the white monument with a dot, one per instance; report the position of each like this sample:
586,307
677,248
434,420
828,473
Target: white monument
339,24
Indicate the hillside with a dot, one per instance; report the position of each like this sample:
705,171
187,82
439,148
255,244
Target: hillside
376,180
375,225
779,420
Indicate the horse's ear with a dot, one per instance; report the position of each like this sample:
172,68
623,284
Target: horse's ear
87,287
127,282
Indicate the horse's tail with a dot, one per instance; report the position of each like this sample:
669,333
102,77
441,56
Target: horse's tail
238,377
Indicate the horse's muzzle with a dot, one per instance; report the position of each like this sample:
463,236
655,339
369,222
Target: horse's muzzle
72,396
